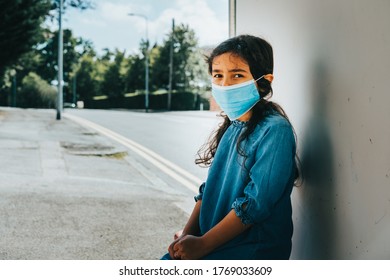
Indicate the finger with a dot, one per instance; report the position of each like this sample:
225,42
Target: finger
178,234
170,247
177,256
171,254
173,244
171,251
177,246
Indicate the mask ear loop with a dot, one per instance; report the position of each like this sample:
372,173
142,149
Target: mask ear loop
259,78
268,77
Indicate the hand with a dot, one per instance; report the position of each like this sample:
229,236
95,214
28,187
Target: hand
189,247
174,254
178,234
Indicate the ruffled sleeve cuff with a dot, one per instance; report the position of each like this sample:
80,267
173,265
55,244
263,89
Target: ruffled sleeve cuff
200,194
238,205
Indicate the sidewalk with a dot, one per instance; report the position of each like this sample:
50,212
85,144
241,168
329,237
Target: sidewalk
67,192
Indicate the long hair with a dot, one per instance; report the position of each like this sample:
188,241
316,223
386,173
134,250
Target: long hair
258,54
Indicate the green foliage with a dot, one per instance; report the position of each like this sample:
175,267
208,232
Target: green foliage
86,79
113,83
27,47
180,101
135,76
184,45
49,54
79,4
20,28
32,52
36,93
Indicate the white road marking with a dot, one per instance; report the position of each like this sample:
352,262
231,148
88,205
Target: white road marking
179,174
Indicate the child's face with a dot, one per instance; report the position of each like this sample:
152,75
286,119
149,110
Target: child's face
229,69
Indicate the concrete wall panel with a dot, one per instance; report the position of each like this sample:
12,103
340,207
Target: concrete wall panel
332,75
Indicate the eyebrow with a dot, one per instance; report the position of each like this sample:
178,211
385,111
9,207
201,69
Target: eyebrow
235,70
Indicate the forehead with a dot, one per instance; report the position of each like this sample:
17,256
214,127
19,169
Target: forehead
229,61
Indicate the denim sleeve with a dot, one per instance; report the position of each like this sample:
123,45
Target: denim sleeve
271,175
200,194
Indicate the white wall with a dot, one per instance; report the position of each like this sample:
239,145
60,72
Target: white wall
332,75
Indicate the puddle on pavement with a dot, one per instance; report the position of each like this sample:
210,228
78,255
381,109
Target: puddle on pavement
97,150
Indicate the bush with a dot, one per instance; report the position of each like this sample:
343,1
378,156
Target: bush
179,101
36,93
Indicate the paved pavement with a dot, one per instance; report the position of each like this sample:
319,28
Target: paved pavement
69,193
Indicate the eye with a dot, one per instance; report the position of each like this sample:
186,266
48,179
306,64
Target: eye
238,75
216,76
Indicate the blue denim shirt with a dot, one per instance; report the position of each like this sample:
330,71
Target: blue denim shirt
258,189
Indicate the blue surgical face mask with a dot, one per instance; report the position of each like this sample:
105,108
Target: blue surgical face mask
237,99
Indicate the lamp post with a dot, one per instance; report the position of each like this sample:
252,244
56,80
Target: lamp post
60,62
146,59
171,65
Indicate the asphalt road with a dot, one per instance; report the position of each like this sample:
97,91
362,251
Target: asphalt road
175,136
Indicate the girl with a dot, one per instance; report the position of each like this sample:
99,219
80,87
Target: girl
243,210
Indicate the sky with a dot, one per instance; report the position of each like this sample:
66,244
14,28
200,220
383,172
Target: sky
110,26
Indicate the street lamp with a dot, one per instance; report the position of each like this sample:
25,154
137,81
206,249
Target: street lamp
146,59
60,63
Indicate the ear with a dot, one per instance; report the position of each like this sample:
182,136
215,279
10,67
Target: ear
269,77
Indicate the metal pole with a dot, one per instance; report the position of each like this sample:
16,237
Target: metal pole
232,18
146,60
75,88
60,63
146,67
171,66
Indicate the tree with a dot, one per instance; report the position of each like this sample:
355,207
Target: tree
49,55
20,28
87,79
135,76
185,44
22,34
78,4
200,79
113,84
